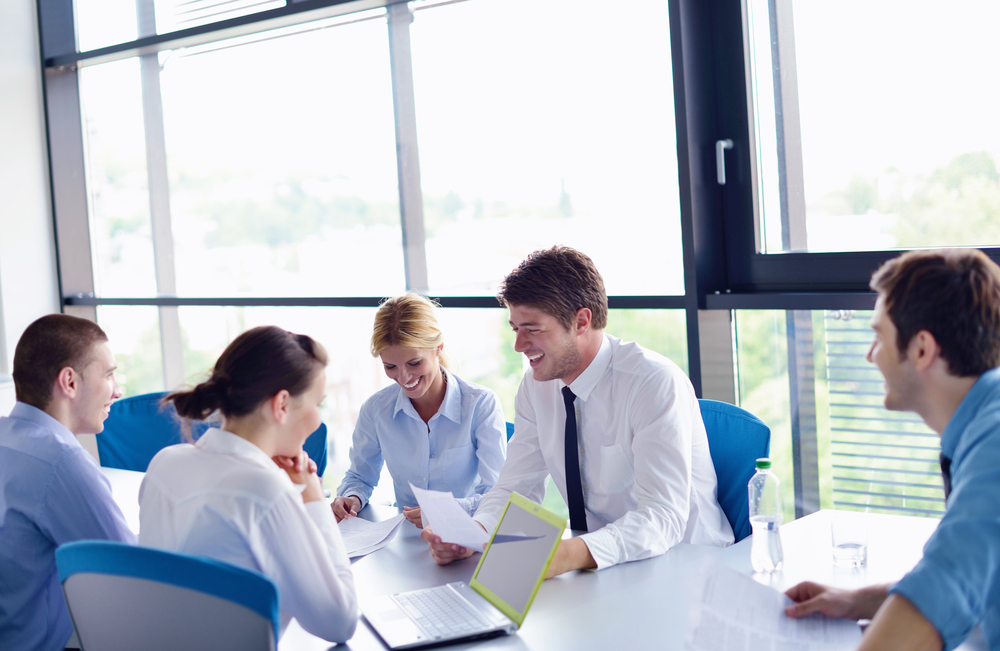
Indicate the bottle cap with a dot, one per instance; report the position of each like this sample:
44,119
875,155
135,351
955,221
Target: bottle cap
763,464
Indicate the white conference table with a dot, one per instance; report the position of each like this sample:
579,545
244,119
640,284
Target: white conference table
641,605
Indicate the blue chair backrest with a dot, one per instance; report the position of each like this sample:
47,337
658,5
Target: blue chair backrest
125,596
736,439
139,427
510,430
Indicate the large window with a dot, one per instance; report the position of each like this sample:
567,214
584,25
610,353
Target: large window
875,119
546,122
737,170
292,165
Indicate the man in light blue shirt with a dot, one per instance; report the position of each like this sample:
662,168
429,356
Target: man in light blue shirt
51,489
937,343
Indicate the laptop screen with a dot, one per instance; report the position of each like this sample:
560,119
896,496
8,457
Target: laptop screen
514,565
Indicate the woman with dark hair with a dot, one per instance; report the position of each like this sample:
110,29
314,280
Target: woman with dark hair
431,428
246,493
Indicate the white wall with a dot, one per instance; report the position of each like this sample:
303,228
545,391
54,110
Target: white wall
28,284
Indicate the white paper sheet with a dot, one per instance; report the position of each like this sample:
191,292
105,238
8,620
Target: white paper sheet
732,612
440,511
363,537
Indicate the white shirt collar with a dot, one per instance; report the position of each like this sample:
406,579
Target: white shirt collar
222,442
586,381
451,406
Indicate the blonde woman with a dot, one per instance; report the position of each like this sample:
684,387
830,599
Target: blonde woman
431,427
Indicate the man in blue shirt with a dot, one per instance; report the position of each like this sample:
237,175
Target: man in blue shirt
51,489
937,343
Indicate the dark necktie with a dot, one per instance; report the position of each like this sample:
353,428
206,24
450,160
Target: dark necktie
946,475
574,484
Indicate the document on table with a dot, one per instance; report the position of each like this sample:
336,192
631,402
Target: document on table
732,612
449,520
363,537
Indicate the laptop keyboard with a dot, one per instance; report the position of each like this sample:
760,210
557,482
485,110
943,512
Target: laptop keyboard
441,612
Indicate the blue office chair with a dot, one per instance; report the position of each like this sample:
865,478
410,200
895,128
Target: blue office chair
736,439
510,430
139,427
128,597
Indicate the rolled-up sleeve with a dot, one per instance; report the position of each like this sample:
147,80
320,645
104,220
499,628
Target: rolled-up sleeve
366,457
952,585
661,422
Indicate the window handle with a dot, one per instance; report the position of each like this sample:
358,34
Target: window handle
720,159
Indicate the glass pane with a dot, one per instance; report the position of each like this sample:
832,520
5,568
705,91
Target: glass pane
886,133
282,165
553,125
101,23
663,331
868,457
117,182
134,336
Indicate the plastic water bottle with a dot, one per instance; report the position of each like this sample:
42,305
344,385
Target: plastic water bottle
764,489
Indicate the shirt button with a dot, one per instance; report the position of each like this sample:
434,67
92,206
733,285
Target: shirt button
432,456
586,487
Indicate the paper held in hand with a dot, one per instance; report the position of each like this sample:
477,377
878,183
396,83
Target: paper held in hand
362,537
446,518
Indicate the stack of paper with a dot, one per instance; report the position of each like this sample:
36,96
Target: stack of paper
362,537
732,612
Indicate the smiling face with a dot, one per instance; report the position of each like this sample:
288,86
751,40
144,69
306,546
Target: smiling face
902,384
417,371
303,416
96,390
551,349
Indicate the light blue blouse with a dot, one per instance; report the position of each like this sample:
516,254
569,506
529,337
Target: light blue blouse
460,450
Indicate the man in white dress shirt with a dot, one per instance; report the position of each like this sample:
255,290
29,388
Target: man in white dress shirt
643,479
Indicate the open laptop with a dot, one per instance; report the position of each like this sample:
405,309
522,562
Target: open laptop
496,599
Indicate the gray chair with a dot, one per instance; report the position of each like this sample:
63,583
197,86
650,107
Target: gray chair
124,597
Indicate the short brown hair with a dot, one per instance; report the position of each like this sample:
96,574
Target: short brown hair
47,346
254,367
954,294
558,281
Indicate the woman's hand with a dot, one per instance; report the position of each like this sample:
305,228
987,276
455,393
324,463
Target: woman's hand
345,506
302,470
412,514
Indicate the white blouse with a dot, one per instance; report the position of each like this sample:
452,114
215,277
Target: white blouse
224,498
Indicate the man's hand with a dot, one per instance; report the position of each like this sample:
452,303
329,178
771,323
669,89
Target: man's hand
572,554
412,514
444,553
345,506
833,602
302,470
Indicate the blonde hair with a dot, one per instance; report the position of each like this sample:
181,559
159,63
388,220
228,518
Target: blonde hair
408,321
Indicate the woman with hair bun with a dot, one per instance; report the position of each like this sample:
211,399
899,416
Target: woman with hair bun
431,427
246,493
